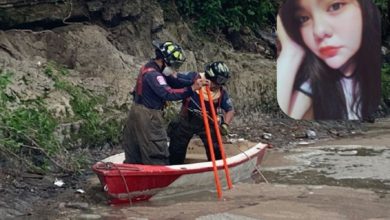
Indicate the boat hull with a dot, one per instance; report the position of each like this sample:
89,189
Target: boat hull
125,183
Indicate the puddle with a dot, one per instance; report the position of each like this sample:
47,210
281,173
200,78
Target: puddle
344,165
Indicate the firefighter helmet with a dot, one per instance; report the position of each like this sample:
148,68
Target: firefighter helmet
217,72
171,53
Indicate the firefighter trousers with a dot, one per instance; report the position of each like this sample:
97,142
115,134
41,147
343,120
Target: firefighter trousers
180,132
144,137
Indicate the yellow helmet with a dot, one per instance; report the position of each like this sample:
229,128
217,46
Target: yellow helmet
172,53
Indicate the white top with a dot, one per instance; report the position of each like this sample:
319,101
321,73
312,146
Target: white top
348,89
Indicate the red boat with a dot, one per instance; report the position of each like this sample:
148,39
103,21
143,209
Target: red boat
125,183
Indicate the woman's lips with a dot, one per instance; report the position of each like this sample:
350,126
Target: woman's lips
329,51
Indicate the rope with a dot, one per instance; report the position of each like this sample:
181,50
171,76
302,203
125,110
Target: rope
197,111
256,167
108,164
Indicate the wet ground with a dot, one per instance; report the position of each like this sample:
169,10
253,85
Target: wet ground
352,165
343,178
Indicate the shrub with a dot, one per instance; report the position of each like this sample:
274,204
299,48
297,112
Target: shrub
385,77
213,15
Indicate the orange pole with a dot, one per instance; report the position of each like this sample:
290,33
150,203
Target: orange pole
210,143
218,134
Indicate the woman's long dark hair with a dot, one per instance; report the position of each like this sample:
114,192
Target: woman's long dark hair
327,93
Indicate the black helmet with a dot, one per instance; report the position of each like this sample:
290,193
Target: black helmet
170,52
217,72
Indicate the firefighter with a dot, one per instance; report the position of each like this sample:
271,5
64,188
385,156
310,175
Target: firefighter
144,135
190,119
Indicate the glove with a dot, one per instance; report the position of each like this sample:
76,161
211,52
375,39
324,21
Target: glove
224,129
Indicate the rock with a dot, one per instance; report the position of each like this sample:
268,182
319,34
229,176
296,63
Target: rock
94,6
10,213
81,191
311,134
299,135
157,19
62,205
77,205
131,8
88,216
59,182
304,143
58,103
38,12
334,132
267,136
245,30
347,153
19,184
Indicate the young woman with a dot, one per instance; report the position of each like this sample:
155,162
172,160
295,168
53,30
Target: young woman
329,64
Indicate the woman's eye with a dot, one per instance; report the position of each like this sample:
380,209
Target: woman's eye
336,6
303,19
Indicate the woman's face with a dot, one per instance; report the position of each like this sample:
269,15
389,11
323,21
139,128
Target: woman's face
331,29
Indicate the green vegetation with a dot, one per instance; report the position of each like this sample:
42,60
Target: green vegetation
4,81
385,77
95,129
211,15
214,15
383,6
29,132
27,129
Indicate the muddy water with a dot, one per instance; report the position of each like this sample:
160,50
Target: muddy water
298,178
354,166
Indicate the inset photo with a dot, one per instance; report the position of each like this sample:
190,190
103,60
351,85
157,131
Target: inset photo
329,59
